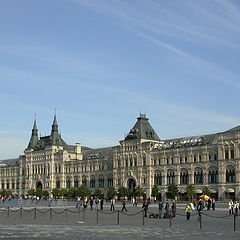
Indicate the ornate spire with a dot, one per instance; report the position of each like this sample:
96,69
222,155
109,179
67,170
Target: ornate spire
55,125
34,137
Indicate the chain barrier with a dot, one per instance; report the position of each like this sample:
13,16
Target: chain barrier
131,214
42,211
226,216
59,212
30,210
104,212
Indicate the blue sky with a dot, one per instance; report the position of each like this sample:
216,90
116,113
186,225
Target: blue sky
101,62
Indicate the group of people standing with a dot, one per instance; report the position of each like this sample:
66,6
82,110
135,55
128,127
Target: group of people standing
233,207
167,209
85,201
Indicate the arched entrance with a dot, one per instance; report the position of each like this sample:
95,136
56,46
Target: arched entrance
39,185
131,184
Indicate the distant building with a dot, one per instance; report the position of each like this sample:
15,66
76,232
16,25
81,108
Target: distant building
141,159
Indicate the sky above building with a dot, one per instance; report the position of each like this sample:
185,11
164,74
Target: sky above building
102,62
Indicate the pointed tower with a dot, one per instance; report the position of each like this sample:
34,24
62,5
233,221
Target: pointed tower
55,137
34,137
54,125
142,130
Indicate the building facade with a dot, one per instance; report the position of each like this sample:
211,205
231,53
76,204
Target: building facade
141,159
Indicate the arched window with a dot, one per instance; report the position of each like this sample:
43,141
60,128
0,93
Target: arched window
58,184
135,160
76,182
130,161
101,181
157,178
92,181
230,174
68,182
213,175
198,176
84,181
144,158
184,179
110,180
170,177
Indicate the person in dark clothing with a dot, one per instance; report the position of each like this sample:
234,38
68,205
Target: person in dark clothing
101,204
124,205
209,202
199,207
174,208
160,208
167,209
145,208
91,203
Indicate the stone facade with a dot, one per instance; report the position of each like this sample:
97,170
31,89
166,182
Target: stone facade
141,159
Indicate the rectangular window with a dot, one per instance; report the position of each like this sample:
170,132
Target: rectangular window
232,154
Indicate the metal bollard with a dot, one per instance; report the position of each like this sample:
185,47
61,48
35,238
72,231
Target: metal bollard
97,216
170,219
200,220
35,213
8,210
50,214
66,215
79,214
117,217
84,215
20,213
234,222
143,215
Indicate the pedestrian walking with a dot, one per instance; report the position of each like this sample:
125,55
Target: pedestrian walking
213,204
145,207
91,203
101,204
97,203
85,202
188,211
166,209
113,204
124,205
160,208
174,208
230,207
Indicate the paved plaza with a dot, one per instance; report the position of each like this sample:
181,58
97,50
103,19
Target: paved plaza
64,221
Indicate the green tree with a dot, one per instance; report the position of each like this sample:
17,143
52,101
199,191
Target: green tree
139,192
39,192
98,193
63,192
31,192
172,191
206,191
45,193
56,192
190,191
72,192
83,191
155,191
111,192
123,192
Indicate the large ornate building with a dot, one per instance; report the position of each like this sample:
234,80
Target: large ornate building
141,159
